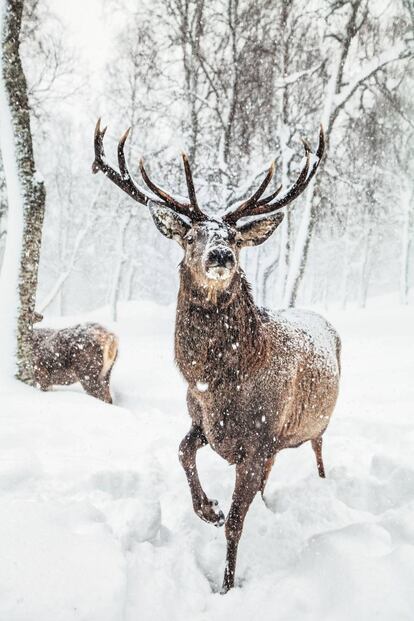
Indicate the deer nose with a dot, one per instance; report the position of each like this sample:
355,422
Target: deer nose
220,257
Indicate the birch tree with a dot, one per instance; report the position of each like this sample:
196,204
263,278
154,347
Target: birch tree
26,202
341,85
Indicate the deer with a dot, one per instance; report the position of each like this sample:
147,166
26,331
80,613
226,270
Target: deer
258,381
84,353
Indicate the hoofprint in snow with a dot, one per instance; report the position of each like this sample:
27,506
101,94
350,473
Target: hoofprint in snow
96,521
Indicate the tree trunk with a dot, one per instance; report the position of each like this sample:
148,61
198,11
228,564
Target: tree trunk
121,260
26,199
365,267
302,245
405,247
286,155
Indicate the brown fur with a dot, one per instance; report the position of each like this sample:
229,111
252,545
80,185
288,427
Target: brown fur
270,386
84,353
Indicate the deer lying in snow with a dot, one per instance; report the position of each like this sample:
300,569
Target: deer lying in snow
258,382
84,353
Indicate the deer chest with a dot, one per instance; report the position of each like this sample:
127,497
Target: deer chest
232,426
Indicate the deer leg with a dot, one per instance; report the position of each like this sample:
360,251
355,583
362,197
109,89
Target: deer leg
105,387
206,509
105,393
266,472
317,449
42,378
96,387
249,477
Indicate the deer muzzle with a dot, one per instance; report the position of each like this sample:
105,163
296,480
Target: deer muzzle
219,263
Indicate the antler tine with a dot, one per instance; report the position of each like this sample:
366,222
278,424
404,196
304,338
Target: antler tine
302,181
182,208
243,209
98,144
197,213
268,204
269,198
189,179
123,181
321,144
293,191
123,168
121,155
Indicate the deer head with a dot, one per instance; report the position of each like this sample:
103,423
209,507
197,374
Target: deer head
211,245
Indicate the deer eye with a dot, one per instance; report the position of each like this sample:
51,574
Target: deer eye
190,239
239,243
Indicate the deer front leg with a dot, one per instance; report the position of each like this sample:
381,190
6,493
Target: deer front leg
249,478
206,509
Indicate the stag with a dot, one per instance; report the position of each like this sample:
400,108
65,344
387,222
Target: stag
258,382
84,353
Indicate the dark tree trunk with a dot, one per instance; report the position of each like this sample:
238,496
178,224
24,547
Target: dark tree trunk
32,189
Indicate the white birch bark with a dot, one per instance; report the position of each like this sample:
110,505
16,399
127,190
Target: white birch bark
407,200
120,263
9,277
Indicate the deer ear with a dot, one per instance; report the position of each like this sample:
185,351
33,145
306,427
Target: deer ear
257,231
169,223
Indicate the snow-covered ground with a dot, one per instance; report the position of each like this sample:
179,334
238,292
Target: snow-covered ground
96,522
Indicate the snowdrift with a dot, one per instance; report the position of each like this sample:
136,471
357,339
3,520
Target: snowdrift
96,521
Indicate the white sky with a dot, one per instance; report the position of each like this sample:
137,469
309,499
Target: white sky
89,27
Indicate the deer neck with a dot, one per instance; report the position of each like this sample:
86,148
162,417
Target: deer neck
218,339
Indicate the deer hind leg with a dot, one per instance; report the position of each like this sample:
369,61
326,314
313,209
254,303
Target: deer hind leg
96,386
205,508
95,377
105,391
317,449
110,354
266,472
249,478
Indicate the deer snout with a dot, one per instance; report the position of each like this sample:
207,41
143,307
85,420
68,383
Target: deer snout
220,257
219,263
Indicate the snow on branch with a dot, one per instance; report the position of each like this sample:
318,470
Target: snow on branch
295,77
397,52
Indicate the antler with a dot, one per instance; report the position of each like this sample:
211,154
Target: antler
124,180
255,206
190,209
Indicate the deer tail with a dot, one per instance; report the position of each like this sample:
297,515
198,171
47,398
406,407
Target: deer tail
110,351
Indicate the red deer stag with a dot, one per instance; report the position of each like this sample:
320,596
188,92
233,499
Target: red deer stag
84,353
258,382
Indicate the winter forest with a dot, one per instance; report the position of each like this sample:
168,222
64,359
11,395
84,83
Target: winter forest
96,518
235,84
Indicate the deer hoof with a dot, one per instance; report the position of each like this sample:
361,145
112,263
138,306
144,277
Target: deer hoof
226,586
220,519
210,512
218,513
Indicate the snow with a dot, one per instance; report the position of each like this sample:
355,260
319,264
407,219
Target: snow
310,330
96,521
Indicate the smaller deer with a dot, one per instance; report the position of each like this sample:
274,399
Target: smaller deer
84,353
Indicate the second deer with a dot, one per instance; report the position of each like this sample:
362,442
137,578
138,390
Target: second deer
84,353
